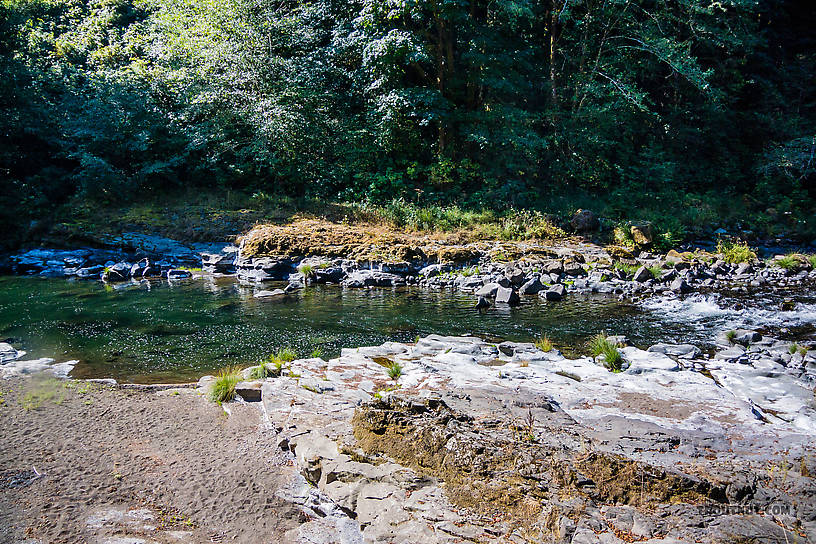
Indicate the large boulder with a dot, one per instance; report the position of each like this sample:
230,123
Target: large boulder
532,287
264,268
554,293
507,295
585,221
222,263
488,290
642,274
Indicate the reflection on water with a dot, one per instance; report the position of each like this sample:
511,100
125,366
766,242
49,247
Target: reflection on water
159,331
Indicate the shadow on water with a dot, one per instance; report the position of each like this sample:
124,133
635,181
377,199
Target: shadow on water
158,331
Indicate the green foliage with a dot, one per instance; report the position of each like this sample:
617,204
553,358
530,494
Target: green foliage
628,269
791,261
623,236
223,388
394,370
793,348
656,271
735,252
599,345
730,336
544,344
286,355
812,261
316,352
441,116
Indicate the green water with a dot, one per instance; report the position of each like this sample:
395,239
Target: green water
160,332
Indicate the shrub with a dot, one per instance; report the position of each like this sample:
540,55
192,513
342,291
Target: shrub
223,388
735,252
600,345
812,260
544,344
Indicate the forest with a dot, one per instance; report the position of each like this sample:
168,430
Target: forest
683,112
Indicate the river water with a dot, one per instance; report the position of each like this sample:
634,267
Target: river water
159,331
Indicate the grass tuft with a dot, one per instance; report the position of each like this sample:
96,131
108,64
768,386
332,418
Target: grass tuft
791,261
544,344
395,371
735,252
600,345
656,271
287,355
730,336
223,388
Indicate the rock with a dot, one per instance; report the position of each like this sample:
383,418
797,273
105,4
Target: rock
178,274
8,353
680,286
270,294
584,221
249,391
223,263
744,268
488,290
503,282
118,272
642,274
434,270
507,295
372,278
574,269
642,234
90,271
482,302
515,276
681,351
673,256
554,293
746,337
263,268
532,287
553,267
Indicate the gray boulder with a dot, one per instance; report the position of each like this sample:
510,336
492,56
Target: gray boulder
681,351
642,274
488,290
482,302
679,285
554,293
585,221
372,278
506,295
532,287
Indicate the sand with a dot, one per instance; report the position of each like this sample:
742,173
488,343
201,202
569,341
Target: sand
83,462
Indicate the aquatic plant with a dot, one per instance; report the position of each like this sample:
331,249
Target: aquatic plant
544,344
600,345
223,388
735,252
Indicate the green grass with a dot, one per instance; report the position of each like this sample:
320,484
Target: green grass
307,270
544,344
600,345
287,355
223,388
656,271
793,348
628,269
730,336
268,368
623,236
791,261
317,352
812,261
735,252
395,371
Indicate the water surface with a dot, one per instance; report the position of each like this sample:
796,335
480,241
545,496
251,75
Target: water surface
157,331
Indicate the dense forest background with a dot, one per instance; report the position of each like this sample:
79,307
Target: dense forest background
680,111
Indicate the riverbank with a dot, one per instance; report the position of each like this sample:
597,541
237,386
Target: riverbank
449,439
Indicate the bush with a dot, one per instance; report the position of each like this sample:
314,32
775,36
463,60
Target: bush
223,388
735,252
